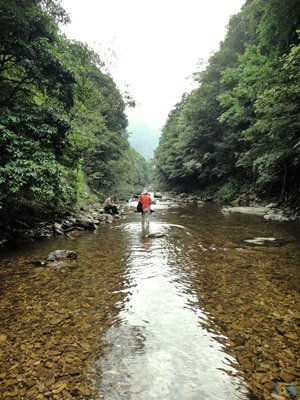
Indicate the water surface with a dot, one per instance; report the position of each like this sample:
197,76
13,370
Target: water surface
144,314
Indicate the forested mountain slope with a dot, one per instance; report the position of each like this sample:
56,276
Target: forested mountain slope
238,131
61,117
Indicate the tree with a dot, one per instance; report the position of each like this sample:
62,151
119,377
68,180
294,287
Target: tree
36,95
238,131
274,155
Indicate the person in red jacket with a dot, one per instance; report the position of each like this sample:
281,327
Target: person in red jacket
146,201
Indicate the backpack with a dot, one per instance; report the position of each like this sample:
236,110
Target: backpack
139,207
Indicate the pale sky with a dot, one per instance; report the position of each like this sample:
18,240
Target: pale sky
157,43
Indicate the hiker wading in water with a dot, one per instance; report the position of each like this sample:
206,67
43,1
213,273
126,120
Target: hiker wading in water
146,201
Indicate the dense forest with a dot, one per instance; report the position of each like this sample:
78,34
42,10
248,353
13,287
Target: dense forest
62,119
237,134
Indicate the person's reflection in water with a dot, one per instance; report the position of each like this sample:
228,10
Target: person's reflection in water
146,244
145,230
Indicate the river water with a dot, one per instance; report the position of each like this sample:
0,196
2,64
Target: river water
139,314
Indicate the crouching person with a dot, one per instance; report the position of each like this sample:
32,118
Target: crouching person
110,207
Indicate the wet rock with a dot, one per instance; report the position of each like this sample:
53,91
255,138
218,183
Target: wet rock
70,220
260,241
39,263
79,228
271,205
57,228
246,266
245,210
276,215
55,320
108,218
3,338
192,199
156,235
61,254
266,241
292,336
25,235
3,239
67,224
86,223
269,212
43,230
183,195
286,377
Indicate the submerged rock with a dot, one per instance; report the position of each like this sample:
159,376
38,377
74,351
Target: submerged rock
276,215
260,240
263,241
269,212
38,263
61,254
245,210
156,235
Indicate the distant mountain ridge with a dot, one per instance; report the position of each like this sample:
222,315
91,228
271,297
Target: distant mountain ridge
143,138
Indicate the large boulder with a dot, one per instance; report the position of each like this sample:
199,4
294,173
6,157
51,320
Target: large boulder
86,223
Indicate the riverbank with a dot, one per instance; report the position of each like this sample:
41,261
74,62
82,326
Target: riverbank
268,210
87,218
91,216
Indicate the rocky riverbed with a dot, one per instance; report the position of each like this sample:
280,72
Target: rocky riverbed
243,268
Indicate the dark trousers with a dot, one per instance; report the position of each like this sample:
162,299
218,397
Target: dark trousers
111,210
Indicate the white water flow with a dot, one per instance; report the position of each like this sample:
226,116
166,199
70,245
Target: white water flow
157,348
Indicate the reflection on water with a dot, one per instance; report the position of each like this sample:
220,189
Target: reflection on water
157,348
158,313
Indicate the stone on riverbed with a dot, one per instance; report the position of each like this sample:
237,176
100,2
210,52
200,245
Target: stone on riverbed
108,218
38,263
260,240
61,254
245,210
269,212
277,215
156,235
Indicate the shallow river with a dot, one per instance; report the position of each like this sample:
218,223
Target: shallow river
133,316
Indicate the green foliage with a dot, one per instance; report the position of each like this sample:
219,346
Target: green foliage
98,125
84,194
230,190
36,166
240,127
278,26
274,155
28,63
62,120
